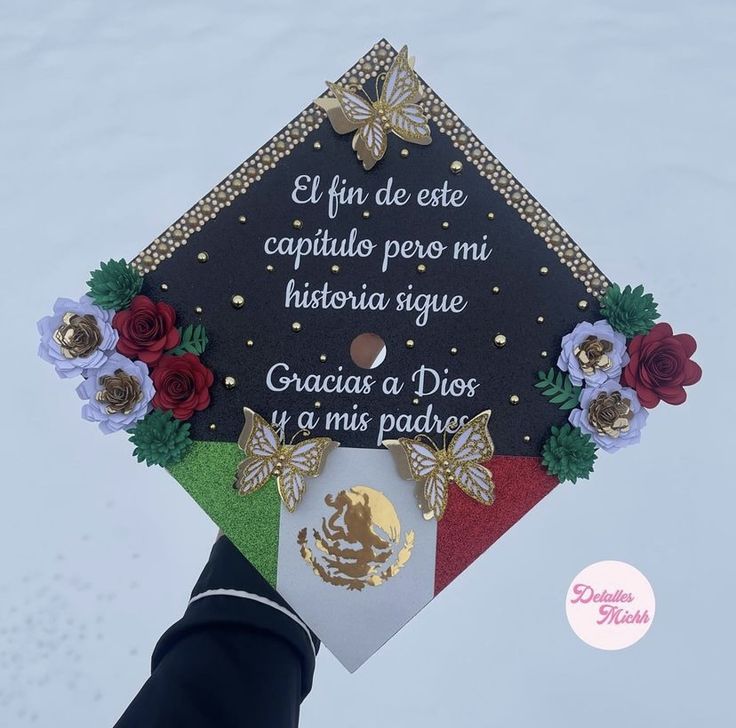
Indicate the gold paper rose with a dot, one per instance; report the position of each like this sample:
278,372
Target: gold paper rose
120,392
593,355
610,413
77,336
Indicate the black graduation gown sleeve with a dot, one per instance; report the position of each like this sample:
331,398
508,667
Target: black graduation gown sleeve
239,656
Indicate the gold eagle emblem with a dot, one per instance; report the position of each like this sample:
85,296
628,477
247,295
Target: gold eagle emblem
396,111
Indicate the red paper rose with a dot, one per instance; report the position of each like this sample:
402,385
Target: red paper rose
182,385
146,330
660,366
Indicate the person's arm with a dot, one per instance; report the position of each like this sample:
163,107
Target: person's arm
239,656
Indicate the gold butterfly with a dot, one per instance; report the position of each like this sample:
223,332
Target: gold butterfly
267,456
397,110
461,462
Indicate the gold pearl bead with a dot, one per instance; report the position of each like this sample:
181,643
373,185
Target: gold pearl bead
491,216
495,290
198,309
323,358
404,152
500,341
296,326
213,426
203,257
514,399
582,304
540,319
453,350
237,301
317,146
456,167
543,270
366,214
242,219
445,225
229,382
269,268
415,400
249,343
421,268
334,268
164,286
543,354
410,343
527,438
317,404
297,224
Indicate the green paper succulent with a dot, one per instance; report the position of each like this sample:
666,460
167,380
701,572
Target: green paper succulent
568,454
160,439
629,311
114,284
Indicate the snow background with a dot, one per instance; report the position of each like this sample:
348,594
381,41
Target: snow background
617,115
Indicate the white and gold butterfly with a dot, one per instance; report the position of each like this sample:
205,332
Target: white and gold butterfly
397,110
461,462
267,456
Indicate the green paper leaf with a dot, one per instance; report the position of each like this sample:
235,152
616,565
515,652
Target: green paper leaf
557,386
193,341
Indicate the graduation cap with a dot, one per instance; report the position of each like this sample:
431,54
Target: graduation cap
373,277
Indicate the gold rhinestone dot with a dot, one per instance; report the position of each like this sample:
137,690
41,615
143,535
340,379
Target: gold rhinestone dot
237,301
421,268
203,257
499,340
582,304
164,286
543,354
249,343
323,358
514,399
491,216
540,319
213,426
317,146
404,152
495,290
296,326
453,350
317,404
456,167
366,214
198,309
229,382
543,270
527,438
334,268
269,268
415,400
445,225
297,224
410,343
242,219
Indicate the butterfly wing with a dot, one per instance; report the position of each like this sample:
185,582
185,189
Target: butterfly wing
306,458
470,447
348,110
417,460
400,93
401,85
260,443
369,143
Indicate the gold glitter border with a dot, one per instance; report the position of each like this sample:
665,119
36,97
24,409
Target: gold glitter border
376,61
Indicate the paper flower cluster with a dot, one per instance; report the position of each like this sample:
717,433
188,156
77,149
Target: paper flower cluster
138,375
615,382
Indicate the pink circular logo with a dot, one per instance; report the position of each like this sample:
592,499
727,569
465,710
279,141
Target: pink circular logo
610,605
